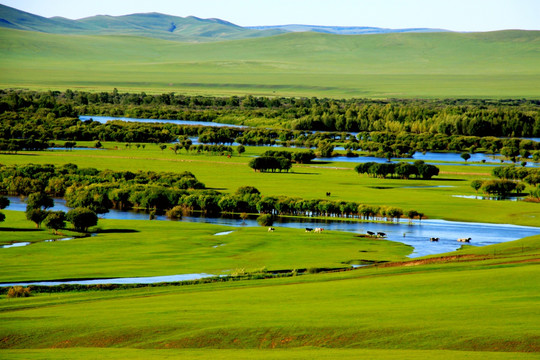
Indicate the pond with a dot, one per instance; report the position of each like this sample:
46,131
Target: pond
104,119
433,158
416,234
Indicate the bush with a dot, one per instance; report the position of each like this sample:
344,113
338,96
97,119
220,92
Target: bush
265,220
175,212
18,291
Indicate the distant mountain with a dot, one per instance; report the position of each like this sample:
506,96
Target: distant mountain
154,25
343,30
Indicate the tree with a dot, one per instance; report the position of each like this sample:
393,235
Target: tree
38,201
465,156
2,217
176,148
411,214
82,218
55,220
240,149
476,185
510,152
265,220
325,149
162,147
36,215
4,202
98,145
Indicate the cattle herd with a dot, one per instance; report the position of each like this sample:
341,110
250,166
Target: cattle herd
372,234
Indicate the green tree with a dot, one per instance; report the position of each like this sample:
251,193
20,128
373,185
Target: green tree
240,149
36,215
82,218
39,201
476,185
465,156
265,220
55,220
4,202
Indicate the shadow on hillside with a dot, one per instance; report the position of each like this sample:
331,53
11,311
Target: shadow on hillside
117,231
18,229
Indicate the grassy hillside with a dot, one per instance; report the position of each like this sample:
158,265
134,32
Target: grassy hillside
497,64
153,25
483,307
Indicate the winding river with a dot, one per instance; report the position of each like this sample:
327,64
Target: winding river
416,234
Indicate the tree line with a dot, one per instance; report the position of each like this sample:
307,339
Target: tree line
89,190
402,170
469,117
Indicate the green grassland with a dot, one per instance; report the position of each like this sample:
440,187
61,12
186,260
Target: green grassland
494,65
150,248
310,181
479,305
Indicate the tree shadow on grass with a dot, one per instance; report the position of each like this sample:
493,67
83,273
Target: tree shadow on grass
18,229
444,179
117,231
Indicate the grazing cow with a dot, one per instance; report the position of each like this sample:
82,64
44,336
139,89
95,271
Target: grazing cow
381,234
271,229
464,240
318,230
434,239
309,229
371,233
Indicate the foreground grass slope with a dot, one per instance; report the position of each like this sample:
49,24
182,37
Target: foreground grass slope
497,64
484,307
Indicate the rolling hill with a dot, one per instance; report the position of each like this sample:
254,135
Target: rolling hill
342,30
160,26
154,25
493,64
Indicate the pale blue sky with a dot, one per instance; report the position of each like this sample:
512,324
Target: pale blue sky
457,15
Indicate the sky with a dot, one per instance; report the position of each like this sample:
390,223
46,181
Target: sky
456,15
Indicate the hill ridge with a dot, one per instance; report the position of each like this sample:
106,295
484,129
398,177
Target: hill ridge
170,27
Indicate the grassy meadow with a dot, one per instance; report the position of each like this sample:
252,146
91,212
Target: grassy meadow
476,306
154,248
429,65
309,181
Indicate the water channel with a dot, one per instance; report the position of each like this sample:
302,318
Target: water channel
416,233
433,158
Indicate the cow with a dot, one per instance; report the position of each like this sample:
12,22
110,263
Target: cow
318,230
371,233
271,229
381,234
433,239
309,229
464,240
